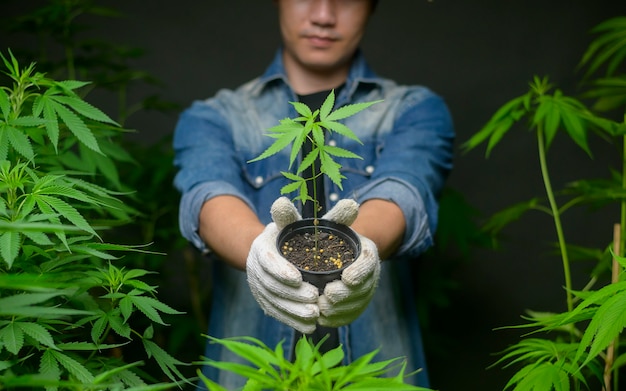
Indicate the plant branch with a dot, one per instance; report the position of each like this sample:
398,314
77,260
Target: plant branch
556,217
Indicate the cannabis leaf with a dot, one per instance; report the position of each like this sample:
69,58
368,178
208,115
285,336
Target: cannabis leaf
312,125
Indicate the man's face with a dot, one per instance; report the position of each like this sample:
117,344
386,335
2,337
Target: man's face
322,35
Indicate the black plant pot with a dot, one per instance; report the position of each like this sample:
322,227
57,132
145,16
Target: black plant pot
321,278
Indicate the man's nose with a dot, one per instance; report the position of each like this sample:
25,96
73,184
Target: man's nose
322,12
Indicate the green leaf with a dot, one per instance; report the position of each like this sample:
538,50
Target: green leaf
52,123
341,129
76,126
12,337
66,210
276,147
118,325
39,238
302,109
349,110
605,326
150,307
73,367
508,215
98,327
331,168
126,307
308,160
327,106
37,332
84,108
5,106
9,246
20,142
166,362
49,367
499,123
341,152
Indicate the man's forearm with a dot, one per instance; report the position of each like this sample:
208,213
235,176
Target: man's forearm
382,222
228,227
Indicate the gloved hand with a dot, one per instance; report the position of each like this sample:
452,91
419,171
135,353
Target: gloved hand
344,300
276,284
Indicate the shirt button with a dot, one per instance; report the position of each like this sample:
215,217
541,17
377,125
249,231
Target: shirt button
334,197
258,180
332,143
369,169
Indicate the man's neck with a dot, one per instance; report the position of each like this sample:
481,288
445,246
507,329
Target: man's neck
307,81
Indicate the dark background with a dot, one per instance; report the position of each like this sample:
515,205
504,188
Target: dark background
477,55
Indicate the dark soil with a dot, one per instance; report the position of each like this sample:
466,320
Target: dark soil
331,253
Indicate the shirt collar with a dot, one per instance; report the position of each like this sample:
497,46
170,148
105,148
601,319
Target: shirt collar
360,72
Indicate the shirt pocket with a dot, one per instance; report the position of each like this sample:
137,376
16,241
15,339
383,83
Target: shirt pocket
358,171
267,172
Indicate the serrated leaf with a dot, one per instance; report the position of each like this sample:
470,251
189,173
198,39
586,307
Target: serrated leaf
341,152
308,160
98,328
52,217
508,215
123,373
12,338
149,306
504,117
9,246
84,108
126,307
87,346
349,110
302,109
66,210
118,325
52,123
20,142
37,332
327,106
341,129
605,326
73,367
331,169
5,106
39,238
166,362
4,142
27,122
49,367
276,147
76,126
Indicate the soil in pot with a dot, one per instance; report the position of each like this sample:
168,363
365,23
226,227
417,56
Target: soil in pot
320,261
331,252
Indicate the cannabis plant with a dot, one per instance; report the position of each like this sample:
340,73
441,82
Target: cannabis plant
67,308
313,125
581,345
268,369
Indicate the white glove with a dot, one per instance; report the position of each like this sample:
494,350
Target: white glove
344,300
275,283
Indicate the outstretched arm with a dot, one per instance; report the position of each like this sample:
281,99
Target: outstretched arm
382,222
228,226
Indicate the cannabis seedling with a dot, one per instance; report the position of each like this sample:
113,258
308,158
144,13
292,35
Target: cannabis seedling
312,125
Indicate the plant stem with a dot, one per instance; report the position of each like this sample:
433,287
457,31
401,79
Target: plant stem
556,217
315,203
623,202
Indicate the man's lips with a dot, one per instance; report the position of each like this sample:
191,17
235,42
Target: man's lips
320,41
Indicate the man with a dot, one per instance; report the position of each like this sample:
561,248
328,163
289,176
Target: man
226,202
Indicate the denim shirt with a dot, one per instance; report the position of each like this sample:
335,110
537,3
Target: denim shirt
407,151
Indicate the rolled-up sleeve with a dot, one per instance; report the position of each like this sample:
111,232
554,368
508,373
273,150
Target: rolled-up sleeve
414,163
207,163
